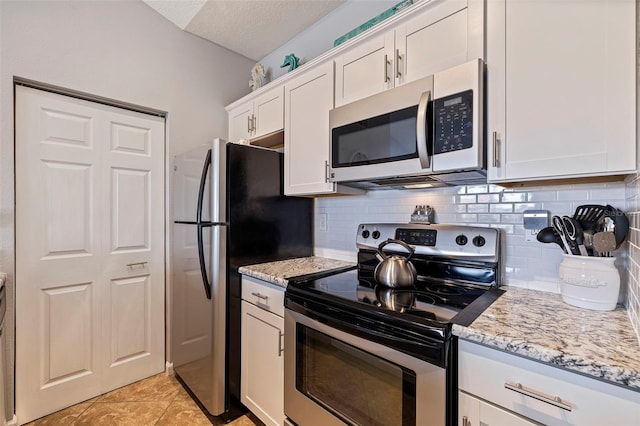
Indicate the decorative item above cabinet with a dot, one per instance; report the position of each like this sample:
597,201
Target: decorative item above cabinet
561,89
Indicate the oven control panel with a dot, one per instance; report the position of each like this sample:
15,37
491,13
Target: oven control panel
417,236
437,239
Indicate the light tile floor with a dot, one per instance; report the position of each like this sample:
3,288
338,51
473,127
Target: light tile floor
159,400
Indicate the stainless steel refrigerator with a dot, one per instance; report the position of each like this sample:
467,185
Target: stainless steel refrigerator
229,210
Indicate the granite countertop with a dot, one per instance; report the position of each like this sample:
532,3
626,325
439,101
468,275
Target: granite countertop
281,271
540,326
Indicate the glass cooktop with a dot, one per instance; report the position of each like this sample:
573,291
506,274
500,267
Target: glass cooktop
438,301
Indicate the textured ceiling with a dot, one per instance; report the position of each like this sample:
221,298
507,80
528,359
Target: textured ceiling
252,28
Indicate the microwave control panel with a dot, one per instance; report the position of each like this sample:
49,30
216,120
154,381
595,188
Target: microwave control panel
453,122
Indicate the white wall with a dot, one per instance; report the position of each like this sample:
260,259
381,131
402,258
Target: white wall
122,50
319,37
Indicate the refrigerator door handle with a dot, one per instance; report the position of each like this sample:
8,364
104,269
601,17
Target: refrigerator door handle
203,265
203,183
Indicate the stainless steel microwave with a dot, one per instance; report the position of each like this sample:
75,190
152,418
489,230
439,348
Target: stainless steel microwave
424,133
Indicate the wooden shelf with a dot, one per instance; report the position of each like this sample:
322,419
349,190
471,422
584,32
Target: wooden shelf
273,140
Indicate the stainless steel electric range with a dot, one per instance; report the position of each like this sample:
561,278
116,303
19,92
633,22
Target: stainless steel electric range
360,353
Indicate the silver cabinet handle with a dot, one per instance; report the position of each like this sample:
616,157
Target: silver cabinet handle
326,171
131,265
248,124
549,399
386,68
253,123
280,344
398,57
260,296
465,421
496,152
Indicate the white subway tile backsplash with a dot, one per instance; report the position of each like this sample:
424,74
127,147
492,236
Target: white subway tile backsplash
530,264
477,189
521,207
511,218
466,199
608,194
467,218
514,197
501,208
489,218
573,194
489,198
477,208
538,196
632,208
496,188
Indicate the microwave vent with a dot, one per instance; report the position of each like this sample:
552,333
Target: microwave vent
405,181
474,177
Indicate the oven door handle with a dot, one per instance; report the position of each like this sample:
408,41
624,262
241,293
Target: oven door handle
399,340
346,326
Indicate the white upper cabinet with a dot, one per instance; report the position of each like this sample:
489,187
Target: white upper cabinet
258,117
440,36
307,101
561,89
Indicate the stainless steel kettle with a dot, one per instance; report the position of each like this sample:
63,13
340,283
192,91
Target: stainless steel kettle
395,270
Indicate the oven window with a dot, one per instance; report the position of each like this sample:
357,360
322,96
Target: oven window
381,139
357,386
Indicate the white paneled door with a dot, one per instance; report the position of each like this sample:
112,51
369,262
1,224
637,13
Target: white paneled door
89,249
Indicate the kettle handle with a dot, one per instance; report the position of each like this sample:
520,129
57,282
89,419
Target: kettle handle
392,241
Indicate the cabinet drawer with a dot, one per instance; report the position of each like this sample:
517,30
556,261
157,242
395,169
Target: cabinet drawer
484,372
267,296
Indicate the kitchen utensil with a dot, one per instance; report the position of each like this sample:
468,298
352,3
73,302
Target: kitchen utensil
589,213
604,242
558,225
549,235
620,223
574,235
395,270
587,235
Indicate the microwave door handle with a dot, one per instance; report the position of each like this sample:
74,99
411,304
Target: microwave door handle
421,130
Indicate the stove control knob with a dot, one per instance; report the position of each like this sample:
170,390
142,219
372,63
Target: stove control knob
376,235
461,240
479,241
365,234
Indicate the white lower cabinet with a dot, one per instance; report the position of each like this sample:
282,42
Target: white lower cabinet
262,360
501,389
474,412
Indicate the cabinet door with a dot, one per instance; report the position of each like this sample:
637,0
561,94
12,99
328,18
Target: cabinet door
468,410
474,412
269,112
569,88
436,40
240,122
366,69
262,382
308,99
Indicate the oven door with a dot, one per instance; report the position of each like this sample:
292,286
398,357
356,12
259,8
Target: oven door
333,378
